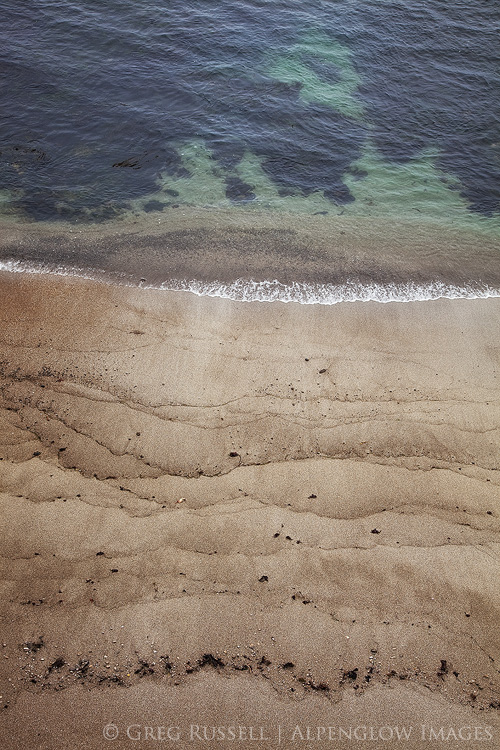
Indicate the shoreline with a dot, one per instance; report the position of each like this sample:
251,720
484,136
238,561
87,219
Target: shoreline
270,291
319,257
239,511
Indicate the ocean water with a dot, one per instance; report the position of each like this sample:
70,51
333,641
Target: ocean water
254,149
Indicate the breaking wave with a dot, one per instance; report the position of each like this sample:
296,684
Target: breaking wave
331,294
243,290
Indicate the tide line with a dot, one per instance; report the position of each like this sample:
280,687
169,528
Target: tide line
243,290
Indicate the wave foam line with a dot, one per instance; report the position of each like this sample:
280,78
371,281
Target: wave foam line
331,294
301,293
21,266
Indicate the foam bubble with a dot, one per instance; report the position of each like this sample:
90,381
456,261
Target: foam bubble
243,290
331,294
20,266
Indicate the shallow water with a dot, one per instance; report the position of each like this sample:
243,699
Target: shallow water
348,145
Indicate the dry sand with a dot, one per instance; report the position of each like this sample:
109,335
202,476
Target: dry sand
258,515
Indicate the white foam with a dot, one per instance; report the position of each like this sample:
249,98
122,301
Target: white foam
21,266
243,290
331,294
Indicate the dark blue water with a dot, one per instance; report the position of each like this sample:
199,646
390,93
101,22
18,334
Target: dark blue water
96,96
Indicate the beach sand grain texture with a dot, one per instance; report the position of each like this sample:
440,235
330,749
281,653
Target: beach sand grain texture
255,514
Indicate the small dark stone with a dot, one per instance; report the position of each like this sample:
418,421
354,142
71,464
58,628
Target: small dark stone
57,664
312,496
35,646
443,669
319,686
263,579
166,663
37,453
83,666
375,531
288,665
144,669
233,454
352,674
211,661
114,570
98,554
322,371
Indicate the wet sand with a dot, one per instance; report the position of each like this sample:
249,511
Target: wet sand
258,515
228,245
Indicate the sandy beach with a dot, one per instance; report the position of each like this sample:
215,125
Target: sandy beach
258,516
